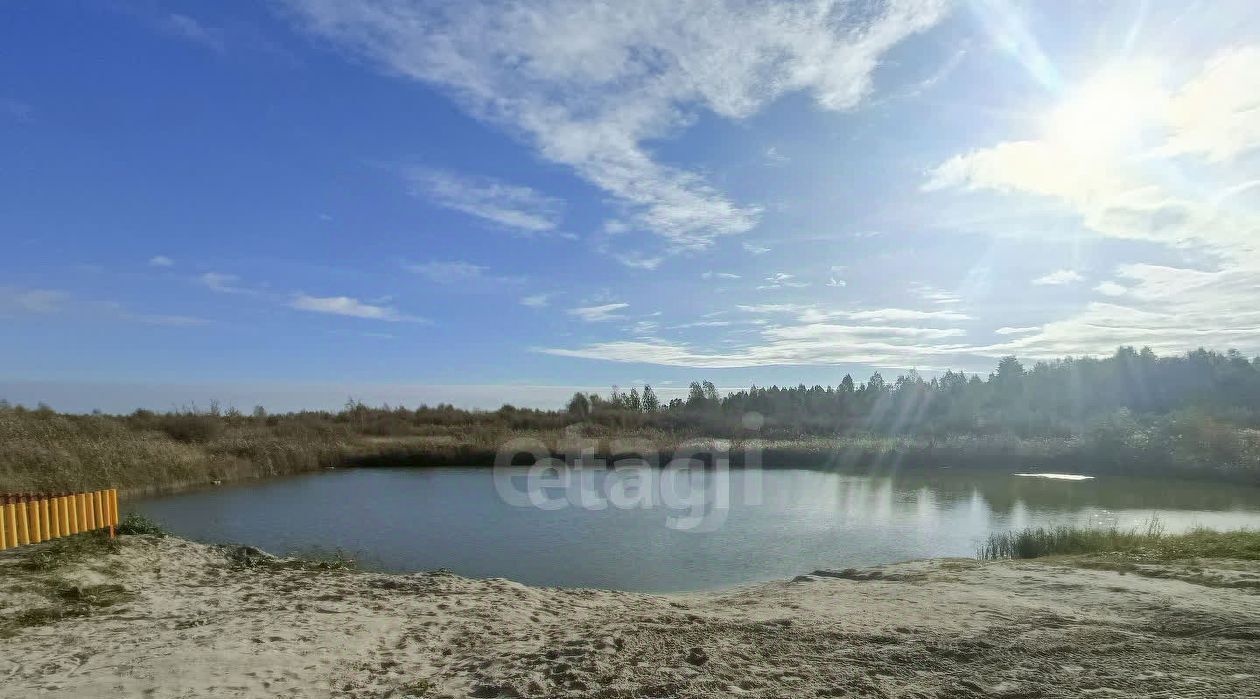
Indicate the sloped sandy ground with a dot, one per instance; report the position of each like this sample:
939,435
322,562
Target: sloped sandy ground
197,621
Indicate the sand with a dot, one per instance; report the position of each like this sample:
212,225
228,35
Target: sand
192,620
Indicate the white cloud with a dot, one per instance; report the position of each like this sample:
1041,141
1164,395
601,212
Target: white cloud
1110,289
774,158
593,314
1017,331
1059,277
161,261
896,315
223,283
806,344
636,261
587,83
932,294
1169,309
1101,159
536,300
1217,114
782,280
718,275
756,249
453,272
512,206
347,306
837,283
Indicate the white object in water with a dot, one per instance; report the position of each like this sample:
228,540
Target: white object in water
1056,476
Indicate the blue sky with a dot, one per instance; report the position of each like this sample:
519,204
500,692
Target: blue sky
290,202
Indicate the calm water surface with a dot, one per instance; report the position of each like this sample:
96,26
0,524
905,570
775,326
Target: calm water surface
780,523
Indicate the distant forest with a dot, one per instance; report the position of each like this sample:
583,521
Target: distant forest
1058,398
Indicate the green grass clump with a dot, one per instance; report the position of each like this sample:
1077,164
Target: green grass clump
59,553
1150,542
135,524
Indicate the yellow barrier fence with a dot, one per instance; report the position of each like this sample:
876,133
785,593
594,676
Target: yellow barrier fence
29,518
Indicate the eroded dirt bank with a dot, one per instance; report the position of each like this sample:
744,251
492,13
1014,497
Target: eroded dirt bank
172,618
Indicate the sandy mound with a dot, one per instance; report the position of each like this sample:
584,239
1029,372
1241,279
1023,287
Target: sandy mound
171,618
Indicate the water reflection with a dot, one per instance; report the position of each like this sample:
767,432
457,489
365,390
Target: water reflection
780,522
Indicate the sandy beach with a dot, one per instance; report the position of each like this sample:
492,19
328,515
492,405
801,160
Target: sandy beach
165,617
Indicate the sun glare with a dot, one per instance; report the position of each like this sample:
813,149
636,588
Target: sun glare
1109,111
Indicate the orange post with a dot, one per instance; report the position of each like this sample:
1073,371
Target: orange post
81,506
112,495
54,516
24,524
91,510
102,514
45,518
11,524
4,524
65,515
34,520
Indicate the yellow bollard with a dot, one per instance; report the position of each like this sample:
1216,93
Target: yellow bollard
24,524
4,524
54,516
10,515
65,515
91,509
45,518
83,518
76,525
113,506
102,516
34,520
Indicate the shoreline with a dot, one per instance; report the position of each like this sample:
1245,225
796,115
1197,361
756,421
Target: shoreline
172,617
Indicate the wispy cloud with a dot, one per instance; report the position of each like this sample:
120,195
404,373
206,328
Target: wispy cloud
452,272
190,29
515,207
718,275
774,158
161,261
536,300
15,300
594,314
17,110
755,249
638,75
223,283
1059,277
782,280
55,301
348,306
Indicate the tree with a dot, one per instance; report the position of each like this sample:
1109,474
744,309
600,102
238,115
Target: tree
579,406
846,384
632,401
650,402
710,393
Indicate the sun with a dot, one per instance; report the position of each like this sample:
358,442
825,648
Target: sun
1109,111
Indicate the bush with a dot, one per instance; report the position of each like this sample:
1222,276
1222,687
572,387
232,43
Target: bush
191,428
134,524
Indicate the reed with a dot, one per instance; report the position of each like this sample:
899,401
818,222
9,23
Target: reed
1148,542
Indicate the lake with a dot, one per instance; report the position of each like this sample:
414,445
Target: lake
661,531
